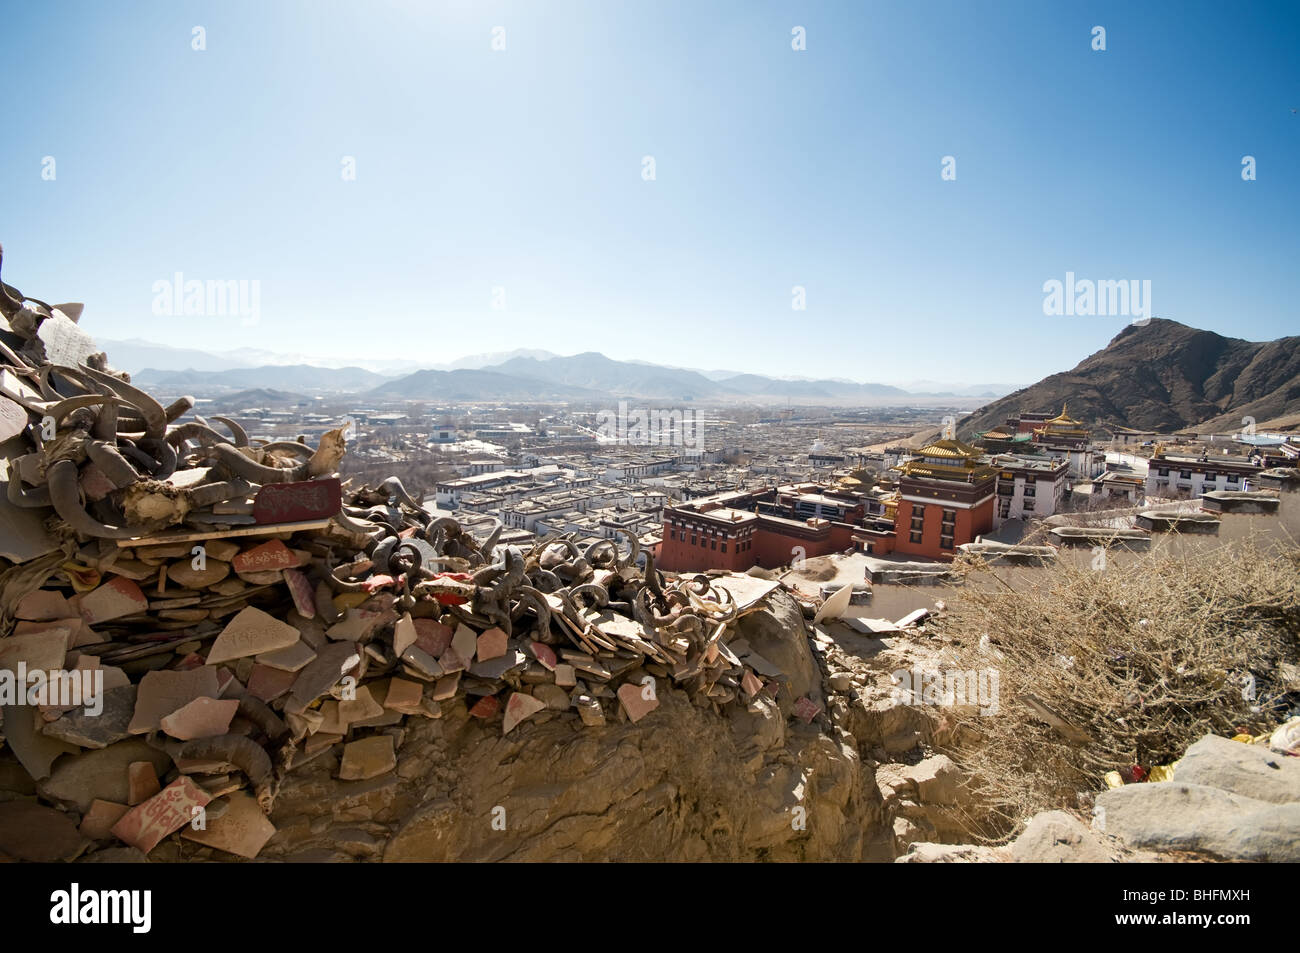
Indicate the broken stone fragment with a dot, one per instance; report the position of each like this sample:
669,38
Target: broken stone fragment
111,723
242,830
553,696
450,661
464,643
358,624
519,707
267,557
330,665
404,634
485,708
544,654
805,709
432,636
162,692
446,687
292,658
201,718
43,605
841,682
589,709
491,644
497,667
300,590
269,683
34,750
359,707
141,782
566,676
404,696
97,823
367,758
167,811
114,599
184,574
43,650
251,632
633,698
39,834
422,662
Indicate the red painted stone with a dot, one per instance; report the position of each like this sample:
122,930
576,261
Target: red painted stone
270,555
544,654
114,599
486,707
304,596
169,810
432,636
294,502
806,709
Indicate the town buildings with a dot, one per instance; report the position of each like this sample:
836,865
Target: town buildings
1177,475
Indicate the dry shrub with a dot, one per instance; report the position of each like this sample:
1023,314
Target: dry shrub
1143,659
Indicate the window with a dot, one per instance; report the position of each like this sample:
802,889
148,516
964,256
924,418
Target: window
724,547
945,542
1029,506
915,537
672,534
1030,489
692,539
1233,478
1184,474
715,544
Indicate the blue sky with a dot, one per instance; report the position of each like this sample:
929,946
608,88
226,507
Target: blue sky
521,169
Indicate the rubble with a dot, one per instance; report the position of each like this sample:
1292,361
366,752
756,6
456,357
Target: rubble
248,611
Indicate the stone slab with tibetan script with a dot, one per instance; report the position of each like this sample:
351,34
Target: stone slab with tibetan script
251,632
165,813
295,502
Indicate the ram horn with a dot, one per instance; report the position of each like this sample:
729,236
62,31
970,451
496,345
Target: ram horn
65,495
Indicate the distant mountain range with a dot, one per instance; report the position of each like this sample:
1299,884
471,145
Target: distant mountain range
593,376
135,355
300,378
1165,376
515,375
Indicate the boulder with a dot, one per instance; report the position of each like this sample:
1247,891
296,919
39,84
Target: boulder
1054,837
1171,815
1252,771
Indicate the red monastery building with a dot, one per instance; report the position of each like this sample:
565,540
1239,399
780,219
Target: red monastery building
945,499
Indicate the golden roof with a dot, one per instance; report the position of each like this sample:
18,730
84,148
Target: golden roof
1065,419
950,450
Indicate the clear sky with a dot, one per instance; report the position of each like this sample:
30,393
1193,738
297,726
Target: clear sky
522,169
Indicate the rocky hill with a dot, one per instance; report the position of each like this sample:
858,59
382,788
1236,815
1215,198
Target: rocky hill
1165,376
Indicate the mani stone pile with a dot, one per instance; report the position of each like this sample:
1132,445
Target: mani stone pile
239,612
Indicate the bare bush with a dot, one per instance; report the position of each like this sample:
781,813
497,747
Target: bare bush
1103,670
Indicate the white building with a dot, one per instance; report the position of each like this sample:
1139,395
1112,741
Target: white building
1028,487
1174,476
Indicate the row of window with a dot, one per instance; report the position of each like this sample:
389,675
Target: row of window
1187,475
704,543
